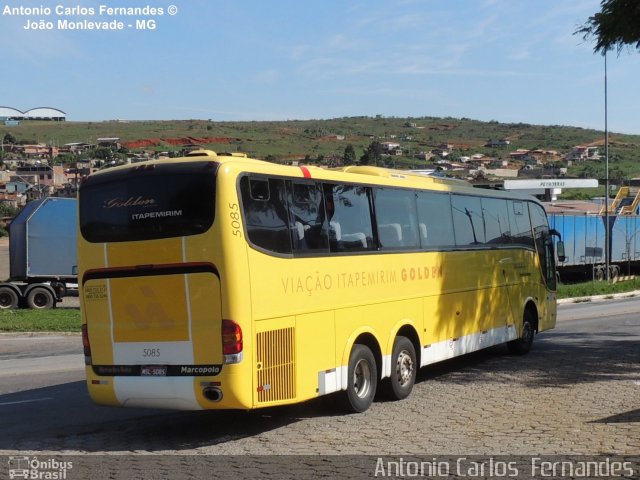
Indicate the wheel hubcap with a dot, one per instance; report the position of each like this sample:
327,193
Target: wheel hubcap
362,379
40,300
404,368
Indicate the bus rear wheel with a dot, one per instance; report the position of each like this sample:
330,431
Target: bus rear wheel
404,369
362,379
522,345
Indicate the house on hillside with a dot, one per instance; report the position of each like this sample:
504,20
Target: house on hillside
36,151
391,148
545,156
522,155
109,142
491,143
581,153
76,147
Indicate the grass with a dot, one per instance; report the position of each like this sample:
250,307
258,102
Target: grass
588,289
54,320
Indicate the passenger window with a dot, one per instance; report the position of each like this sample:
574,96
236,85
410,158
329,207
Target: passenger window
348,214
396,218
265,210
309,232
468,222
435,225
520,223
496,221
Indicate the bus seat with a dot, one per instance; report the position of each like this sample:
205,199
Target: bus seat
354,238
410,236
335,228
390,234
423,231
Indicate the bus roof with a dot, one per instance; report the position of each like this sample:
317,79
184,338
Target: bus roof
354,173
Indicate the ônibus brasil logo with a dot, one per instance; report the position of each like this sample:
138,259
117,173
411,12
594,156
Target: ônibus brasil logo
34,469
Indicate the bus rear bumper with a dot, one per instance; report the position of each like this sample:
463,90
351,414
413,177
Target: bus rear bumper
175,393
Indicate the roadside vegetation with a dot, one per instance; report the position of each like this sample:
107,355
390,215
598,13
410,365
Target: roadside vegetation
587,289
54,320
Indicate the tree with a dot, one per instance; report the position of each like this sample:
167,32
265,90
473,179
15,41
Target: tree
349,157
615,26
10,139
372,154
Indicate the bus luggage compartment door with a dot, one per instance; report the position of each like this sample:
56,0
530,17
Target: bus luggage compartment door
161,325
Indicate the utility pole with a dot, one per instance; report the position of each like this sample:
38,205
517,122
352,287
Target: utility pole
607,253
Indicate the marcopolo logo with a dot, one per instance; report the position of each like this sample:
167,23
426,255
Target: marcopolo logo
37,469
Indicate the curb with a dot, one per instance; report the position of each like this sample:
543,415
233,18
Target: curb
599,298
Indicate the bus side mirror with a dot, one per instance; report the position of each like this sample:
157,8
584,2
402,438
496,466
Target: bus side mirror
559,246
560,250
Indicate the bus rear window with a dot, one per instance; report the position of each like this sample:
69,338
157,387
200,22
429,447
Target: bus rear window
148,203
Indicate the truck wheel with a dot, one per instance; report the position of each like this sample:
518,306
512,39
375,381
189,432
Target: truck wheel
40,298
60,288
8,298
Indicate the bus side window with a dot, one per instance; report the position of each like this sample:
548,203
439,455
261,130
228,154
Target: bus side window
520,223
309,232
434,220
468,221
265,211
396,218
350,223
496,221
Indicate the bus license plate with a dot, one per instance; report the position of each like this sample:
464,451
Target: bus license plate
153,371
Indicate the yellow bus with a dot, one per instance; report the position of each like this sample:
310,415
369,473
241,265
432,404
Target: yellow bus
217,281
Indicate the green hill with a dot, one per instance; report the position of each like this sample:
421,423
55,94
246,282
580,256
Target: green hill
324,141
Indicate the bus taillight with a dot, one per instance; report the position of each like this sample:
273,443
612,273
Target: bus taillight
231,341
86,345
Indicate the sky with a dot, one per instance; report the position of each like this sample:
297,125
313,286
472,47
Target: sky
505,60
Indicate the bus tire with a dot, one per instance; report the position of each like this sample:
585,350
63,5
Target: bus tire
522,345
404,369
362,379
9,298
40,298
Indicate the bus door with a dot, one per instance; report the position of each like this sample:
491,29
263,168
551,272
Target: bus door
546,259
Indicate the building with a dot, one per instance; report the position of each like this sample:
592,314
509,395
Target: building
39,113
582,153
491,143
8,114
37,151
391,148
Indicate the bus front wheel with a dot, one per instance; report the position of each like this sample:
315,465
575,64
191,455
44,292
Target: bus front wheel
404,369
362,379
522,345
